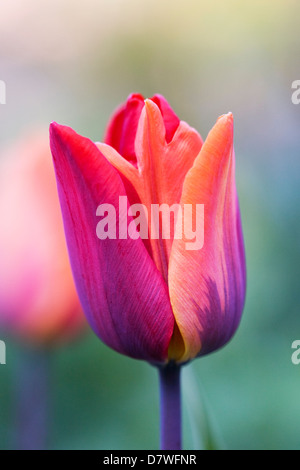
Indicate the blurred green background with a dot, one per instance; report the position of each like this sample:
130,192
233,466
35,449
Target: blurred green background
74,62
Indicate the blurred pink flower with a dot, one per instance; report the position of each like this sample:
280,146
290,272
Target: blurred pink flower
38,300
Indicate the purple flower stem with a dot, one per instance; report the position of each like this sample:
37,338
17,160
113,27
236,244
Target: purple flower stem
170,407
31,400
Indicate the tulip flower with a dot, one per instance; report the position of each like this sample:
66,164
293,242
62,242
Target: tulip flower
39,305
164,294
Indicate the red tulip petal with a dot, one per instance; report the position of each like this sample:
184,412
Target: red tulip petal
121,130
122,292
207,286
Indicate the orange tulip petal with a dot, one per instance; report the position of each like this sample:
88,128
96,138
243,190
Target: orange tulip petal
162,167
123,166
207,285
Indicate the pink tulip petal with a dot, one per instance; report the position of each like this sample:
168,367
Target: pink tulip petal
207,286
123,294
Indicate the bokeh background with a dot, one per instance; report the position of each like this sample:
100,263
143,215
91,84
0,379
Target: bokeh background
74,62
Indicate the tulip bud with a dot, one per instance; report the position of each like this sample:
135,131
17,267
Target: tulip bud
176,290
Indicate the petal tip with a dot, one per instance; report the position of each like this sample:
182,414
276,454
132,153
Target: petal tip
226,119
229,116
54,130
135,96
225,124
53,125
152,112
148,103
